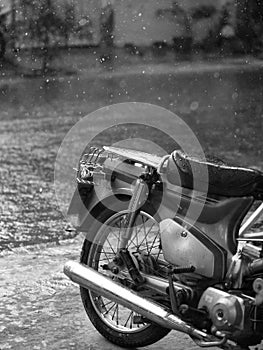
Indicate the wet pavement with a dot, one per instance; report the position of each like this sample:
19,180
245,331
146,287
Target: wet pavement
41,309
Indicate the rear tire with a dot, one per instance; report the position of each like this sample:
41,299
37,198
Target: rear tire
106,315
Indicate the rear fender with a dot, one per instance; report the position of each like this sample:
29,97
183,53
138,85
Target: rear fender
113,179
87,204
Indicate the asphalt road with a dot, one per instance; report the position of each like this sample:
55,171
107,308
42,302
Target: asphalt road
41,309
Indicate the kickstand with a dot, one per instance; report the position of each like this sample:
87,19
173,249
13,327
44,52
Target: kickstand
172,294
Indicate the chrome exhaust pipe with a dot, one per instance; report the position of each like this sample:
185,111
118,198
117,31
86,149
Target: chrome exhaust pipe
104,286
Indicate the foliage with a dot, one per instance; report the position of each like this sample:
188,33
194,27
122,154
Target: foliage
204,11
84,29
46,26
69,21
186,18
45,23
250,24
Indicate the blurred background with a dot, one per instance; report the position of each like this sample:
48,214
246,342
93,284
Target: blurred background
233,26
61,60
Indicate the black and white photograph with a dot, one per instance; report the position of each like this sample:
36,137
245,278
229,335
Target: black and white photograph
131,174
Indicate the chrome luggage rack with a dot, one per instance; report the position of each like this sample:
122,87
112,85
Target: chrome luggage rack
90,164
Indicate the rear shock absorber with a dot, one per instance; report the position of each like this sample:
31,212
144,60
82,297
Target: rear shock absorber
132,268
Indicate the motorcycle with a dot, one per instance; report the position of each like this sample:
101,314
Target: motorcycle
167,248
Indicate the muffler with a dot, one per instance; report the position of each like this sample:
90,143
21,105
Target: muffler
106,287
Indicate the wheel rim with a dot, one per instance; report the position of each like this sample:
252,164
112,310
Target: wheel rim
145,239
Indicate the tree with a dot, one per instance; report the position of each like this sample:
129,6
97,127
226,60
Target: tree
46,27
69,21
250,23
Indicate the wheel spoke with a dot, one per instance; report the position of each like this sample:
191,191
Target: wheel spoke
145,238
106,255
153,242
129,317
105,313
113,251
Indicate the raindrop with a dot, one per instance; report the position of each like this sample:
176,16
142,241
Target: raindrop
234,95
194,106
216,75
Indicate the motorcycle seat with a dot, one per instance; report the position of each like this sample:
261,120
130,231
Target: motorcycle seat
213,177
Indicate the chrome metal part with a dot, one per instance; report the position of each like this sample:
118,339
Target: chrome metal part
140,194
251,220
227,311
203,344
258,289
256,266
251,251
160,285
106,287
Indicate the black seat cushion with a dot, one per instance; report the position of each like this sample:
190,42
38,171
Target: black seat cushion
222,179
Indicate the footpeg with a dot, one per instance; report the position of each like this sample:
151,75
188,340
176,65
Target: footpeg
186,269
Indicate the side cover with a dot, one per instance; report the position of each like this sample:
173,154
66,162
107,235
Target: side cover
184,248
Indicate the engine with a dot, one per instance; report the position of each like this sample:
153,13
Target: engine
236,310
227,311
231,312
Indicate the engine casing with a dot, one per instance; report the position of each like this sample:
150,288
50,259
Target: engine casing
182,247
227,311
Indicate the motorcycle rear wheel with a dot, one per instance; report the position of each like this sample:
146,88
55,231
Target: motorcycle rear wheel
112,320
